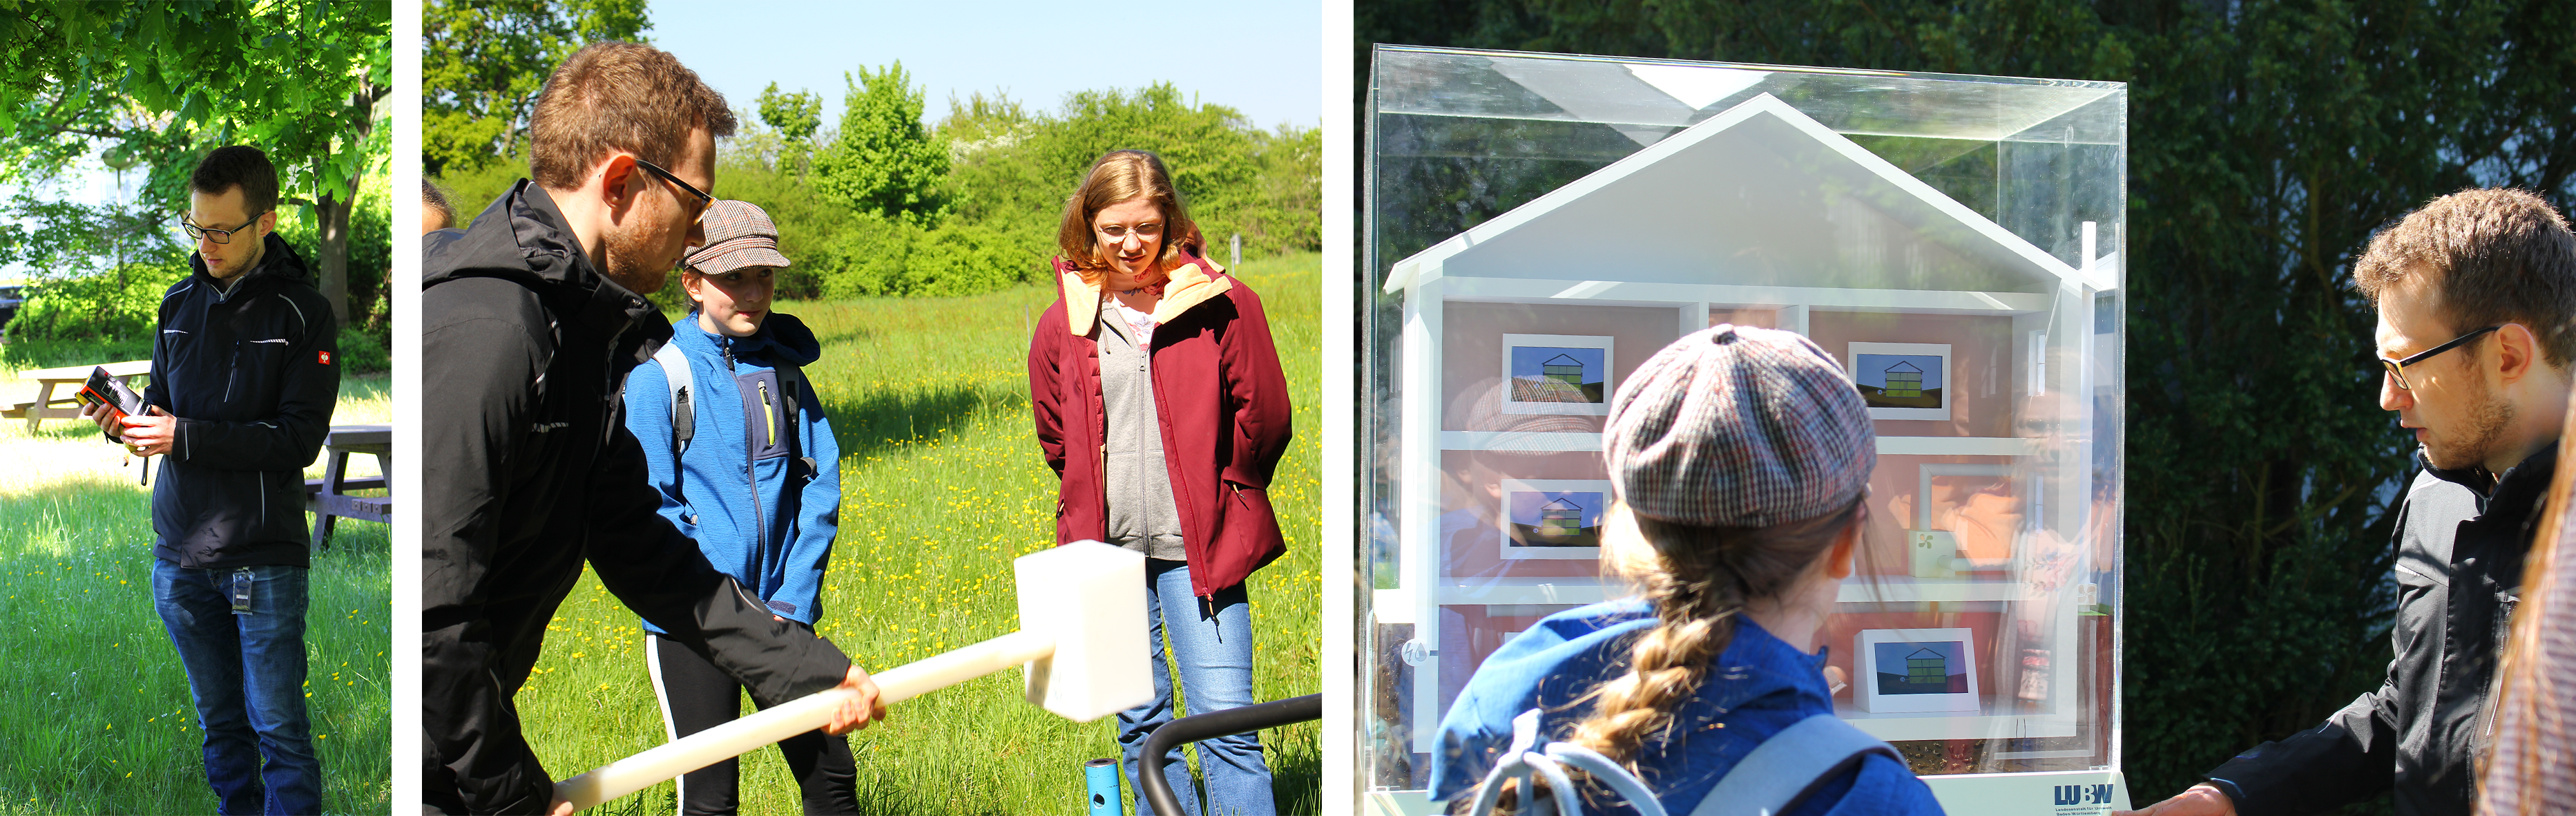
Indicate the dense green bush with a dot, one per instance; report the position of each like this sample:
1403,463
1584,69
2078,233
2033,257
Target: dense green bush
472,190
363,349
80,293
121,303
876,256
1014,168
851,226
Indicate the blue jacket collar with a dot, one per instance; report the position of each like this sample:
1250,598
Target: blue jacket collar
782,339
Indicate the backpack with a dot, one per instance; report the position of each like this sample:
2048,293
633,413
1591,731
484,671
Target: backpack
1778,775
677,378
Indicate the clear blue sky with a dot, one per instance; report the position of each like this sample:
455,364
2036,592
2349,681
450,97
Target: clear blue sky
1264,59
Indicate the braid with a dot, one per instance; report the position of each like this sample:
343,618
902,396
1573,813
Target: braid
1699,581
1667,663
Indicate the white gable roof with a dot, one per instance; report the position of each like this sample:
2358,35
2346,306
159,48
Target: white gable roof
1762,195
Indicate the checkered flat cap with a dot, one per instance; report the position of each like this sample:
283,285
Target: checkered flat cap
1734,426
739,235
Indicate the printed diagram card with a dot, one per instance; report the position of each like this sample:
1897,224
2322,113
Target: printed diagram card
1915,670
1557,374
1553,518
1902,380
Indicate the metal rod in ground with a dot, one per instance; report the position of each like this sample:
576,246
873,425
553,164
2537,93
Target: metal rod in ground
1101,777
1157,791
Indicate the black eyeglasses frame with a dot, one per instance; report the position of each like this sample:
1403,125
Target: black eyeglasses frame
2397,368
222,236
705,201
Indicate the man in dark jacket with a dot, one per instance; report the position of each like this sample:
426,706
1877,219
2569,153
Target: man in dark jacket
531,321
242,389
2477,324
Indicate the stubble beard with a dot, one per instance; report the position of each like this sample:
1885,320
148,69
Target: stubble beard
625,249
2487,422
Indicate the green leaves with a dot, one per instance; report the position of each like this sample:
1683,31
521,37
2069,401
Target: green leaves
1016,167
884,162
794,116
483,62
172,80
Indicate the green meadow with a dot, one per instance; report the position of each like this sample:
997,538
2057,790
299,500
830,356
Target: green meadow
942,485
96,712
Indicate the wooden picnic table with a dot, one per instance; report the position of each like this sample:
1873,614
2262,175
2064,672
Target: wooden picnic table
47,379
328,498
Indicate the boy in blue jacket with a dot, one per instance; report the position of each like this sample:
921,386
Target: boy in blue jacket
737,443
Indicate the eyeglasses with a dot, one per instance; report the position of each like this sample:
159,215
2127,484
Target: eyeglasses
2397,368
220,236
1118,232
704,200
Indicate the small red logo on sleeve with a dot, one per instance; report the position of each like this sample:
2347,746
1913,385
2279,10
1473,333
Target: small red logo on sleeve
326,358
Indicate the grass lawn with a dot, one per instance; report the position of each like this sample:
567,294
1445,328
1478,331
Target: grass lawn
942,485
97,710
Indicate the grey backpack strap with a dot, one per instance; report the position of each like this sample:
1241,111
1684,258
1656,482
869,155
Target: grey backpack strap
1532,757
1785,769
684,414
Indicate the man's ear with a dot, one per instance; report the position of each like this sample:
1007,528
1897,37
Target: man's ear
2517,351
616,181
267,223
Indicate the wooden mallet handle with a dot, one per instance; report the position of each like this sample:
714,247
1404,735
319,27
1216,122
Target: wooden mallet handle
797,716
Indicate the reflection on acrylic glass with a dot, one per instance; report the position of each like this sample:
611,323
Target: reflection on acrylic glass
1558,374
1549,518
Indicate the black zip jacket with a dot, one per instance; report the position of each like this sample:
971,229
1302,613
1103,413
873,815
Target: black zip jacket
249,373
528,471
2459,574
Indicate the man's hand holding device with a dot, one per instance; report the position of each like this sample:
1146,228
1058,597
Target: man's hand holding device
121,414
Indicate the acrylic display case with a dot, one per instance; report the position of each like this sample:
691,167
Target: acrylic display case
1538,225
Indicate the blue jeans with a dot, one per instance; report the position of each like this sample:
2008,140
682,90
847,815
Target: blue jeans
1212,643
246,671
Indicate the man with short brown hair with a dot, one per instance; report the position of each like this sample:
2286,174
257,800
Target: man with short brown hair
531,320
2476,293
243,386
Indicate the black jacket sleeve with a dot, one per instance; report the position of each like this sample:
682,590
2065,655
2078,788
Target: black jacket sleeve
483,368
2351,757
291,438
664,577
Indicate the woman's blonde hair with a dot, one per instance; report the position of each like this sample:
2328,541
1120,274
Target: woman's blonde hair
1121,176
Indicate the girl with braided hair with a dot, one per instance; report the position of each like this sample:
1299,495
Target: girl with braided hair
1740,458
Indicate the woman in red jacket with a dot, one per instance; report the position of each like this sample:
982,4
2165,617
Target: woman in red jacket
1160,405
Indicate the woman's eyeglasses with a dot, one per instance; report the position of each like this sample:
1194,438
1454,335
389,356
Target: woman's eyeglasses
1118,232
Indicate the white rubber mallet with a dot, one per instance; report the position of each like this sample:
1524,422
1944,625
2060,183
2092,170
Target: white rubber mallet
1082,639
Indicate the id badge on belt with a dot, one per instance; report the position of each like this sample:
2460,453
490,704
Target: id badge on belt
241,591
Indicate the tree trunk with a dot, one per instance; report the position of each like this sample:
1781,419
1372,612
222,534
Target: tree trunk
332,210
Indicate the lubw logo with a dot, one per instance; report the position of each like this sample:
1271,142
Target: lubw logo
2084,794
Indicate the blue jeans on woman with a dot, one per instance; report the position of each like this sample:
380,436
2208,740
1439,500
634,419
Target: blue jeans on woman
1212,642
240,634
